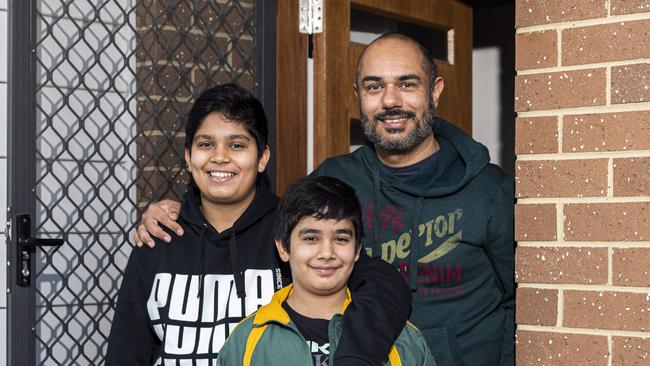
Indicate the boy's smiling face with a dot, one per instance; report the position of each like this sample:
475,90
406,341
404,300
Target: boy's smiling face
224,161
321,255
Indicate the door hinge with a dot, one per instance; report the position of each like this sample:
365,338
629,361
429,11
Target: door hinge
8,230
311,16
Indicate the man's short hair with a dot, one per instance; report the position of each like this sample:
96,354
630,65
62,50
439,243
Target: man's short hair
320,197
426,58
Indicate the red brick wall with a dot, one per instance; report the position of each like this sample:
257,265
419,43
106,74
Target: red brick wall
582,220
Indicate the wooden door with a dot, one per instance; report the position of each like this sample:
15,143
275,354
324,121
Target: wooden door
335,57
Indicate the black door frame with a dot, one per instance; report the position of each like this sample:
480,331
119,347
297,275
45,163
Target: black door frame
21,153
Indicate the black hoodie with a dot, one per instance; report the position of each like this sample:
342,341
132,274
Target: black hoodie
179,301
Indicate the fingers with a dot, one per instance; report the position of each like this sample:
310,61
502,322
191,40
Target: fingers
136,240
142,237
172,210
170,224
163,213
152,228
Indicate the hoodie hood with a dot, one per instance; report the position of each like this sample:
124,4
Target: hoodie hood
460,159
263,203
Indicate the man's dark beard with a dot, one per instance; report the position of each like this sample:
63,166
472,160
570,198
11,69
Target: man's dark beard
418,134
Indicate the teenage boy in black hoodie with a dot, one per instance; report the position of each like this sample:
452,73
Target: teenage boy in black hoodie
433,206
179,302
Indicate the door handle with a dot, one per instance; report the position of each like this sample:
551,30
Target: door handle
26,247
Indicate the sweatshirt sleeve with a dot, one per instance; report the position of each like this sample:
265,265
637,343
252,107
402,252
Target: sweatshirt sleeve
501,252
373,321
232,352
132,341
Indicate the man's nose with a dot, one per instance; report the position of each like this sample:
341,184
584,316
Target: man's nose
391,98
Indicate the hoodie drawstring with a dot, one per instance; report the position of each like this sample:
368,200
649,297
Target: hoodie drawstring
204,228
239,277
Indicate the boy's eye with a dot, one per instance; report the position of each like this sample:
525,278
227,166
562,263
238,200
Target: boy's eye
310,238
204,144
237,146
343,239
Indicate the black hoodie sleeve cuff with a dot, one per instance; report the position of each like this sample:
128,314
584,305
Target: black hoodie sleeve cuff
381,302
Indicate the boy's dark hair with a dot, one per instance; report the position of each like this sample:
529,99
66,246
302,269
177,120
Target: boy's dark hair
236,104
320,197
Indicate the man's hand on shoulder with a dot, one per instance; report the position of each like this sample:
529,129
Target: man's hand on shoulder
163,213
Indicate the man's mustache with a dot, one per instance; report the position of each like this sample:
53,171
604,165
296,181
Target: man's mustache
394,113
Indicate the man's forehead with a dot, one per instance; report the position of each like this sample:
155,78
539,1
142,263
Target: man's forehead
391,58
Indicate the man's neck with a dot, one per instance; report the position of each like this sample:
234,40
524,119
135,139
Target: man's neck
401,159
317,306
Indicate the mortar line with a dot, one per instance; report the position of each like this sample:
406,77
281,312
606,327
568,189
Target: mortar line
585,155
560,133
560,308
592,288
559,48
584,23
559,222
616,108
583,331
610,267
610,177
609,8
581,67
610,350
608,85
582,244
582,200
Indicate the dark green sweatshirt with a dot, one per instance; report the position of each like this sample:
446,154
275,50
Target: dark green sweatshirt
449,231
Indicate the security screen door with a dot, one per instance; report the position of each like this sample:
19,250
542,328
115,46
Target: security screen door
99,90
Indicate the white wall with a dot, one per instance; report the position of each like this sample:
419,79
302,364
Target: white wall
3,180
493,65
486,107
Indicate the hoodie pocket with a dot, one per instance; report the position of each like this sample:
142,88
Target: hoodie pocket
444,347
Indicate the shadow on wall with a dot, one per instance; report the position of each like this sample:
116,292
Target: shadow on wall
494,39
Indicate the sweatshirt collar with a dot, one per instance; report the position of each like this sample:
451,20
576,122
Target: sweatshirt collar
273,311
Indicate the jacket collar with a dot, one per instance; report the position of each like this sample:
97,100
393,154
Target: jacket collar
274,312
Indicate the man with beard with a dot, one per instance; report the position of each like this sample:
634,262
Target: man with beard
433,206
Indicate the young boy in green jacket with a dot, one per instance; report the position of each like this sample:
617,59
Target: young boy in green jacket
318,232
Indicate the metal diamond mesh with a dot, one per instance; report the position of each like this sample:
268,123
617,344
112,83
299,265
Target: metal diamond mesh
115,79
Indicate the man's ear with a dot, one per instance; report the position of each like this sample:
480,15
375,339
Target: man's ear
264,159
356,90
438,85
283,253
187,160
